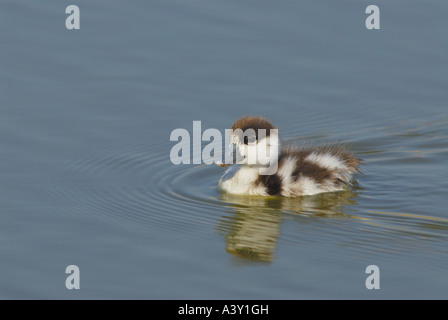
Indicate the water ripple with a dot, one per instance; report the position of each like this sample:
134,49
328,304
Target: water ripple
137,187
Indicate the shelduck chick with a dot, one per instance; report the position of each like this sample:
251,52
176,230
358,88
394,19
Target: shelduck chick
288,172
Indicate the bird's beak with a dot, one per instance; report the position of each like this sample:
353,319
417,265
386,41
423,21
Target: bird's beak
220,164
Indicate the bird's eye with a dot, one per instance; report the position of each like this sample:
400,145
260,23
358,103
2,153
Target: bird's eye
250,139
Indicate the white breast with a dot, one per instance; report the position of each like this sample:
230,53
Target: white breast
241,180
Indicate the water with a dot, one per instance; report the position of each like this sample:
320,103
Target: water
85,174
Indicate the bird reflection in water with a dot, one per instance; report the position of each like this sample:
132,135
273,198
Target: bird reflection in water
252,227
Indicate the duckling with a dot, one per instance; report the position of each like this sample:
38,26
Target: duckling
291,172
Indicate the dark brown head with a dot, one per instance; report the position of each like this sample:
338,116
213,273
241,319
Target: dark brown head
255,123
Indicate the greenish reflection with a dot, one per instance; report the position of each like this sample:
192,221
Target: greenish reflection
252,227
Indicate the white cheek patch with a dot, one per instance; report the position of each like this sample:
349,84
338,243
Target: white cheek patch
327,161
239,154
251,154
241,150
263,150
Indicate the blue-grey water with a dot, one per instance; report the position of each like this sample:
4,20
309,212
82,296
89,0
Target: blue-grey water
85,173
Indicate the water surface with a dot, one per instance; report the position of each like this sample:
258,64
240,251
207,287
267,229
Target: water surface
85,173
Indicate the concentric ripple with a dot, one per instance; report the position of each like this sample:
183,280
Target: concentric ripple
137,187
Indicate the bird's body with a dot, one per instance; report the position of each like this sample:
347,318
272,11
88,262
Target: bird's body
299,171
